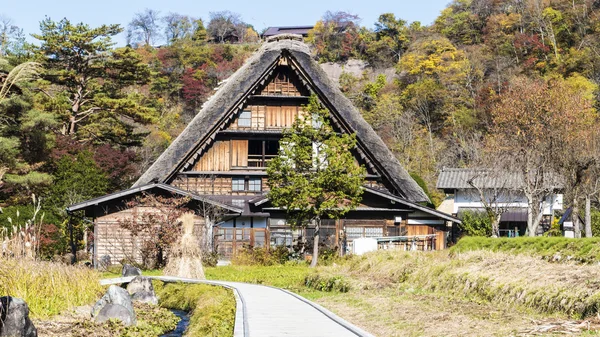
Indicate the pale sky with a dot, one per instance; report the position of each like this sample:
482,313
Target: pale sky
260,14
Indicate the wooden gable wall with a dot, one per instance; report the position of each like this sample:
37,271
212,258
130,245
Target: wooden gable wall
273,107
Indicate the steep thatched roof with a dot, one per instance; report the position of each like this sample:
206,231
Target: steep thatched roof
234,92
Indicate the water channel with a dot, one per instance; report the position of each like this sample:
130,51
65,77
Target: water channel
181,326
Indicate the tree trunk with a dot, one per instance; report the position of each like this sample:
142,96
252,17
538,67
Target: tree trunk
496,225
575,218
588,217
315,254
531,229
72,125
207,240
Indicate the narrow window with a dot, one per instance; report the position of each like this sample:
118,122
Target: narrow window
245,119
237,184
255,153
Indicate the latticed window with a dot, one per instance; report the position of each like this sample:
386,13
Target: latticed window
238,184
373,232
254,184
354,233
245,119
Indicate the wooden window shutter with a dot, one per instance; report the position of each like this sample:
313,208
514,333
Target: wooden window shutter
239,153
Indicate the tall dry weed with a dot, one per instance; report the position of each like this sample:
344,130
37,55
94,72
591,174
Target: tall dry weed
48,287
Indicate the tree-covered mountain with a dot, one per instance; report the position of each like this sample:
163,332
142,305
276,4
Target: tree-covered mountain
80,117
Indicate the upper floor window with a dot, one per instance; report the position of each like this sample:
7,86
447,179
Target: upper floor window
239,184
245,119
261,151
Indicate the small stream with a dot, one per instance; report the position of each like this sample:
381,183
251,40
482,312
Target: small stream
181,326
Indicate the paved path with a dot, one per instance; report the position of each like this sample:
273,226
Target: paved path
264,311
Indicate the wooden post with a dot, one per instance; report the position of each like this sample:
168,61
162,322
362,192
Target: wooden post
72,238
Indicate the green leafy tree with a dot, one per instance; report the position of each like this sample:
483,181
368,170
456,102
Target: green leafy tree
24,133
76,178
459,23
315,176
90,78
392,40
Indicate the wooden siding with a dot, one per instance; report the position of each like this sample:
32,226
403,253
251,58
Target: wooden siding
284,82
280,117
239,153
212,185
118,243
269,117
217,158
419,230
440,235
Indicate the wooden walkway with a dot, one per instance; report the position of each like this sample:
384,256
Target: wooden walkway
264,311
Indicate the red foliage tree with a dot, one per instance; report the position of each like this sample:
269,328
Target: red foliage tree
155,222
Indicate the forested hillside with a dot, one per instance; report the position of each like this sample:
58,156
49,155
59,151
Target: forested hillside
503,83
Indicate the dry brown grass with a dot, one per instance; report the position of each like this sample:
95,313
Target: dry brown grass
392,312
48,288
500,278
478,293
185,259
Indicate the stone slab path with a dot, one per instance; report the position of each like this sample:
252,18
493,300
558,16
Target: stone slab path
264,311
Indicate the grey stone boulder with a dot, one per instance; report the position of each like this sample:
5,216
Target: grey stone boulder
141,290
14,318
116,311
104,262
114,295
129,270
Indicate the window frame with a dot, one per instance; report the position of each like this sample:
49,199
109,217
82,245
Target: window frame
247,120
244,183
235,184
254,182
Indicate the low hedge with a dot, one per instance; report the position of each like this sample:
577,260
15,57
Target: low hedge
555,249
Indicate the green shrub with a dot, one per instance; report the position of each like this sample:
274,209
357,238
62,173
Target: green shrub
210,260
328,255
261,256
595,222
326,283
280,254
475,224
